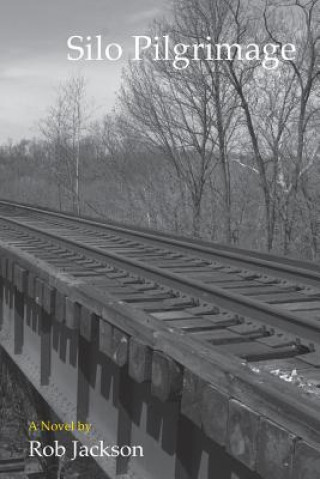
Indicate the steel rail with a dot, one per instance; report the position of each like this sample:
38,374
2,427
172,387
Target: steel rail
307,329
296,270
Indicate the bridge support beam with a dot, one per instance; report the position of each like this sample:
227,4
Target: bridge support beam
195,414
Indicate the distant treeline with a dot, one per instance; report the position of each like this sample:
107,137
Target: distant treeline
223,150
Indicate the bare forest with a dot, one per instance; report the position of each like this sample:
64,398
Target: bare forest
227,151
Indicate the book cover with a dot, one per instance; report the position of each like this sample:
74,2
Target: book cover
159,239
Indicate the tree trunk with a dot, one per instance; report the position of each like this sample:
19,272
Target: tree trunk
196,218
224,161
77,192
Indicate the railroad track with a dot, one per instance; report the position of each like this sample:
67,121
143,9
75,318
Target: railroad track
263,311
264,263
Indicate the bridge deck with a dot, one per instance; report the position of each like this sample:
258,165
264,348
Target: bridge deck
220,345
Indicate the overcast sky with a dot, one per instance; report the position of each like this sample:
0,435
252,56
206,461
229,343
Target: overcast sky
33,53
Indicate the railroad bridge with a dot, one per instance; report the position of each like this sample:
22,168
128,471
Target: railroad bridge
206,356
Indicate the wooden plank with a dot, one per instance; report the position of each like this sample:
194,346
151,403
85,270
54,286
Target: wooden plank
120,342
304,306
243,429
247,328
73,311
286,365
137,297
18,322
179,303
311,358
88,324
171,264
49,297
154,306
1,301
9,294
105,337
237,284
31,285
20,278
275,451
39,291
83,385
257,290
254,351
171,315
222,320
3,266
140,361
10,265
192,269
192,393
306,463
204,309
215,414
60,307
45,361
114,290
294,297
192,324
222,336
212,277
278,340
166,377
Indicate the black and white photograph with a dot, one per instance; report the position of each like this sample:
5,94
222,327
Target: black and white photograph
159,239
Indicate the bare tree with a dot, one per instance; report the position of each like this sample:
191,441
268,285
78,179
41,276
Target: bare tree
172,111
64,129
302,149
197,21
278,108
